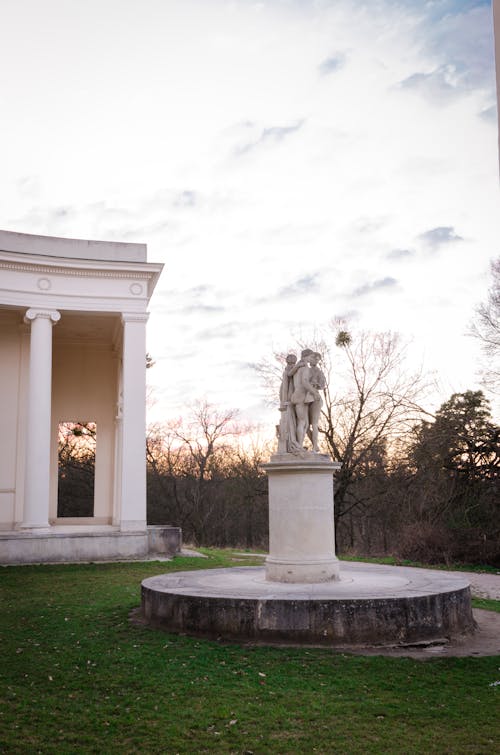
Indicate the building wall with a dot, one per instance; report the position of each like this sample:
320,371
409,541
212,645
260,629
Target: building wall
10,372
84,389
95,294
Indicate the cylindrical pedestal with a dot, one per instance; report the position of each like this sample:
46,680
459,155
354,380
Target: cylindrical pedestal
301,524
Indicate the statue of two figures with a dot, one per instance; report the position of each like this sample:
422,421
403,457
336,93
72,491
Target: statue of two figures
300,402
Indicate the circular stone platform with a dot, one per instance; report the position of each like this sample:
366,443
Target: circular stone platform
369,605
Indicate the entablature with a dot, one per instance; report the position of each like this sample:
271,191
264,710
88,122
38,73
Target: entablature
85,285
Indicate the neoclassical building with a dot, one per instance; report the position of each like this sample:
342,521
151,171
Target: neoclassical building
73,317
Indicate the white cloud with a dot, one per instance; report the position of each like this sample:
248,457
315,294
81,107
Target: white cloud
382,284
436,237
332,64
270,156
268,136
440,86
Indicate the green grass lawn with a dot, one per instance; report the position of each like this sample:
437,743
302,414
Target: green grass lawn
77,677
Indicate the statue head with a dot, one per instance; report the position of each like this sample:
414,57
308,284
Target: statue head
314,358
306,353
291,359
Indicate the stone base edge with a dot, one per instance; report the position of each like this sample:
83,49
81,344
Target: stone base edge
302,571
38,547
164,540
337,623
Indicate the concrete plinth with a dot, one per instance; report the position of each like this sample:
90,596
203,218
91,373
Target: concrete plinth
164,540
369,605
70,544
301,523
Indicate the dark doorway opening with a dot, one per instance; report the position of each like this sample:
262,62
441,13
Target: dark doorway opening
76,469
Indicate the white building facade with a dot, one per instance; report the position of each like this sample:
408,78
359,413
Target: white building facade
73,317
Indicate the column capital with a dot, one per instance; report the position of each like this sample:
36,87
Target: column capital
47,314
135,317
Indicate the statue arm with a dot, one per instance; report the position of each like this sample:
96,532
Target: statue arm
310,387
290,371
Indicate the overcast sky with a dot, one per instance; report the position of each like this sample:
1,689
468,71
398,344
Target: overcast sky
289,161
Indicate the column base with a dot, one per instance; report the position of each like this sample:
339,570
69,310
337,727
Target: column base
133,525
34,526
304,570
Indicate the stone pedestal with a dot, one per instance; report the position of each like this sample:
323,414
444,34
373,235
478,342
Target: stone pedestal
301,523
164,540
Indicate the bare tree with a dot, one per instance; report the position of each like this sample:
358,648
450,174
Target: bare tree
486,327
187,460
76,469
247,490
371,402
368,410
206,437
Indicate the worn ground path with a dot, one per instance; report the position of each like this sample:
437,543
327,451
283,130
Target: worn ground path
484,585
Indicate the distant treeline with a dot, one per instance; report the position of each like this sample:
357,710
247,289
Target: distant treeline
413,484
435,498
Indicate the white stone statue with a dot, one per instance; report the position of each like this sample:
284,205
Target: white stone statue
318,381
300,402
287,430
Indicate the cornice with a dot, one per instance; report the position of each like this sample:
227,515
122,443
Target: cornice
78,272
134,316
24,266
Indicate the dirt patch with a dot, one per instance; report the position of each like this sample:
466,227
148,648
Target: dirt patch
484,641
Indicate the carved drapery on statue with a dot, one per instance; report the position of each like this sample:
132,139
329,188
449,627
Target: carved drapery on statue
300,402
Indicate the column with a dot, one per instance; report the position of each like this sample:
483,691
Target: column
132,484
37,471
117,496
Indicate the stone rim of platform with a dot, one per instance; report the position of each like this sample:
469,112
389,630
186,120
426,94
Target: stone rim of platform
87,543
427,608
